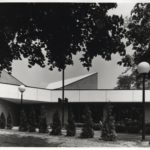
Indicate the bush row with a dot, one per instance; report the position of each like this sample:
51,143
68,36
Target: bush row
131,126
5,122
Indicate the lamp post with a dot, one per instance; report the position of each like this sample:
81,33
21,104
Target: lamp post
63,95
22,89
63,100
143,68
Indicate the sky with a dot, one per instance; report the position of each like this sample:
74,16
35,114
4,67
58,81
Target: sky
108,71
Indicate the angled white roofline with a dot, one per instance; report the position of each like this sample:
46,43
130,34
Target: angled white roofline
15,79
58,84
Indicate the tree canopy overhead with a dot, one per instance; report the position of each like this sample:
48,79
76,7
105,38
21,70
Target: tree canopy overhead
137,34
58,31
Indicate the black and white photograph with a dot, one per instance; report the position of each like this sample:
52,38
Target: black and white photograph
74,74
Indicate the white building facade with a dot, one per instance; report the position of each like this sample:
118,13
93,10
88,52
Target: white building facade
79,90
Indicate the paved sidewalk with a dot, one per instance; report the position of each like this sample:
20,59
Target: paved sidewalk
14,138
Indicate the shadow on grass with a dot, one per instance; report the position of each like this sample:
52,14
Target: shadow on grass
29,141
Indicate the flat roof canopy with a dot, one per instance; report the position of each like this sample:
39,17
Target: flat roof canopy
36,95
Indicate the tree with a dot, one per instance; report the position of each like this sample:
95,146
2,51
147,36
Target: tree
32,120
137,34
9,121
125,82
87,130
2,121
56,31
132,81
108,129
23,124
43,121
71,128
56,124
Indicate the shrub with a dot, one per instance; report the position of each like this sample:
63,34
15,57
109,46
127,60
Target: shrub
56,124
9,122
108,129
2,121
32,120
128,126
71,128
87,130
23,126
42,121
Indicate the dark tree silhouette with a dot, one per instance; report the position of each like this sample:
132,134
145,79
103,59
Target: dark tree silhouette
71,128
108,129
56,124
59,29
87,130
23,124
32,120
2,121
43,121
9,121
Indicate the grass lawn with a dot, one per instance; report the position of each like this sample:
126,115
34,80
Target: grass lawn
13,138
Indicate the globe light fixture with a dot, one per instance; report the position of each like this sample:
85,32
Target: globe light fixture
143,68
22,89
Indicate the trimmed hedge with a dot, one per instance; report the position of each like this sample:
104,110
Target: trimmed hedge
56,124
9,122
2,121
128,126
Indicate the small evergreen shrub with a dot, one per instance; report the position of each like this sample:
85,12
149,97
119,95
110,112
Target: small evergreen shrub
23,126
71,128
2,121
108,129
43,121
9,122
32,120
56,124
87,130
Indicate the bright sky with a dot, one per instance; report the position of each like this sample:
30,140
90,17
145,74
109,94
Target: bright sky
107,71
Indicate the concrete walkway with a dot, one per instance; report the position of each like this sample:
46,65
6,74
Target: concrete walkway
13,138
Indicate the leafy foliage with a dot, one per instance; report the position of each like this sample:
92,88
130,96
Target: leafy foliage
2,121
58,31
87,130
43,121
132,81
9,121
71,128
108,129
23,126
56,124
125,82
32,120
137,34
